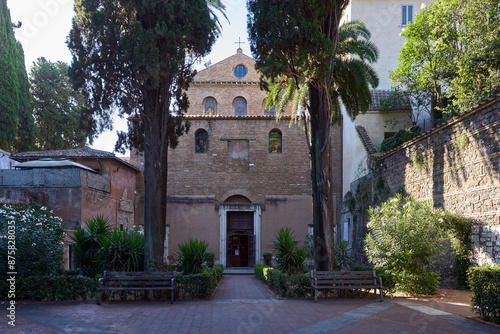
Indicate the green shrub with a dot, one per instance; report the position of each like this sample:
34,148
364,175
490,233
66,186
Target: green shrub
288,286
268,258
485,286
289,257
87,245
191,256
53,288
258,269
405,236
159,264
200,285
343,256
121,250
37,235
399,138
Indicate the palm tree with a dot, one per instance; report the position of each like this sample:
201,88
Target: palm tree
353,78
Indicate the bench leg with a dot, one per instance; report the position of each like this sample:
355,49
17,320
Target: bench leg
98,297
381,294
316,295
172,295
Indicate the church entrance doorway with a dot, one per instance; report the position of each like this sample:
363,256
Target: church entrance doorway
240,239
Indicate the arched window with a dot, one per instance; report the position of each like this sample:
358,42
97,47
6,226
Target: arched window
240,106
268,111
275,141
201,141
210,106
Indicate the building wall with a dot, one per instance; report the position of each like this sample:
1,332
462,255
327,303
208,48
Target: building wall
383,19
457,167
279,183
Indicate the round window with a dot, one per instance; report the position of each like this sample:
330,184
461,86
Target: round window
240,71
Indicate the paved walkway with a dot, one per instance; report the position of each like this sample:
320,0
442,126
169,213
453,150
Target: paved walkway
243,305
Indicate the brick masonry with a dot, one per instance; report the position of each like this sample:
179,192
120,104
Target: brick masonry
456,166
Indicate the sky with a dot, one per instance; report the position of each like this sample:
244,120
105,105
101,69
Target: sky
46,25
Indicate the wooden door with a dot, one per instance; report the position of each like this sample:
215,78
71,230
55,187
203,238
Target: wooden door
240,239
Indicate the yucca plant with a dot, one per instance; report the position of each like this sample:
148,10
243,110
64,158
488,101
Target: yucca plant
87,244
122,250
191,256
289,257
343,256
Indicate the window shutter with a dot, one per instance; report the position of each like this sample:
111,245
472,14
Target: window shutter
410,14
403,15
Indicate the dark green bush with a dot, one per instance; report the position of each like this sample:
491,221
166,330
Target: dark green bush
121,250
399,138
288,286
268,258
201,285
191,256
53,288
485,286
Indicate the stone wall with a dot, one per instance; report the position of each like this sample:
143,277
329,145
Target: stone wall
455,166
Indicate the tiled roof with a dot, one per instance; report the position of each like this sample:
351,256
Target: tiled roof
83,152
382,94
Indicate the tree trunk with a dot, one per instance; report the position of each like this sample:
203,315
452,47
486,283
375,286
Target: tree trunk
155,118
320,177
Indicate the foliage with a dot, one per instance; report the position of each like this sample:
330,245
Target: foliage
191,256
400,98
57,107
449,51
418,157
309,248
299,40
38,236
137,57
459,231
201,285
402,136
350,201
289,257
159,264
268,258
87,245
53,288
485,286
121,250
288,286
404,237
17,126
343,256
259,270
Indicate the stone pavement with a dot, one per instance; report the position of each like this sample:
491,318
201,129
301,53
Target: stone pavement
243,305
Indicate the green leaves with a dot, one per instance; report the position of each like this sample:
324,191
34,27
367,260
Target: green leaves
289,257
405,236
192,255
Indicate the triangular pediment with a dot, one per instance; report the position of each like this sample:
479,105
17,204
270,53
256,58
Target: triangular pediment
224,70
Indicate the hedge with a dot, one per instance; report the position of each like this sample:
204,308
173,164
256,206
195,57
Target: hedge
283,285
52,288
78,287
485,287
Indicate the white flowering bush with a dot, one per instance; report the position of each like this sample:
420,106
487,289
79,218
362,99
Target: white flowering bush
405,237
38,240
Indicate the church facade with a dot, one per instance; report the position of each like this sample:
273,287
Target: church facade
239,175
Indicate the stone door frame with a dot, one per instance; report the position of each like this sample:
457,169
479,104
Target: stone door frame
224,208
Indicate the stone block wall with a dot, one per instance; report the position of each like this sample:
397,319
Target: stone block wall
455,166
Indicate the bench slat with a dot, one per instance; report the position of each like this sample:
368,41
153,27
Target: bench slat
140,273
332,287
361,272
138,278
355,282
139,284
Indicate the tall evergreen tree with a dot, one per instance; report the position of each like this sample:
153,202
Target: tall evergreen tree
299,39
16,122
57,106
136,56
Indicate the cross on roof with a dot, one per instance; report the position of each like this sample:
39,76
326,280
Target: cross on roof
239,42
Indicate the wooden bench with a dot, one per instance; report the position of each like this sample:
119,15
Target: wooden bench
139,280
329,280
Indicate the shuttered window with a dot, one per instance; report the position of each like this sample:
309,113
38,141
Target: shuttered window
406,14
